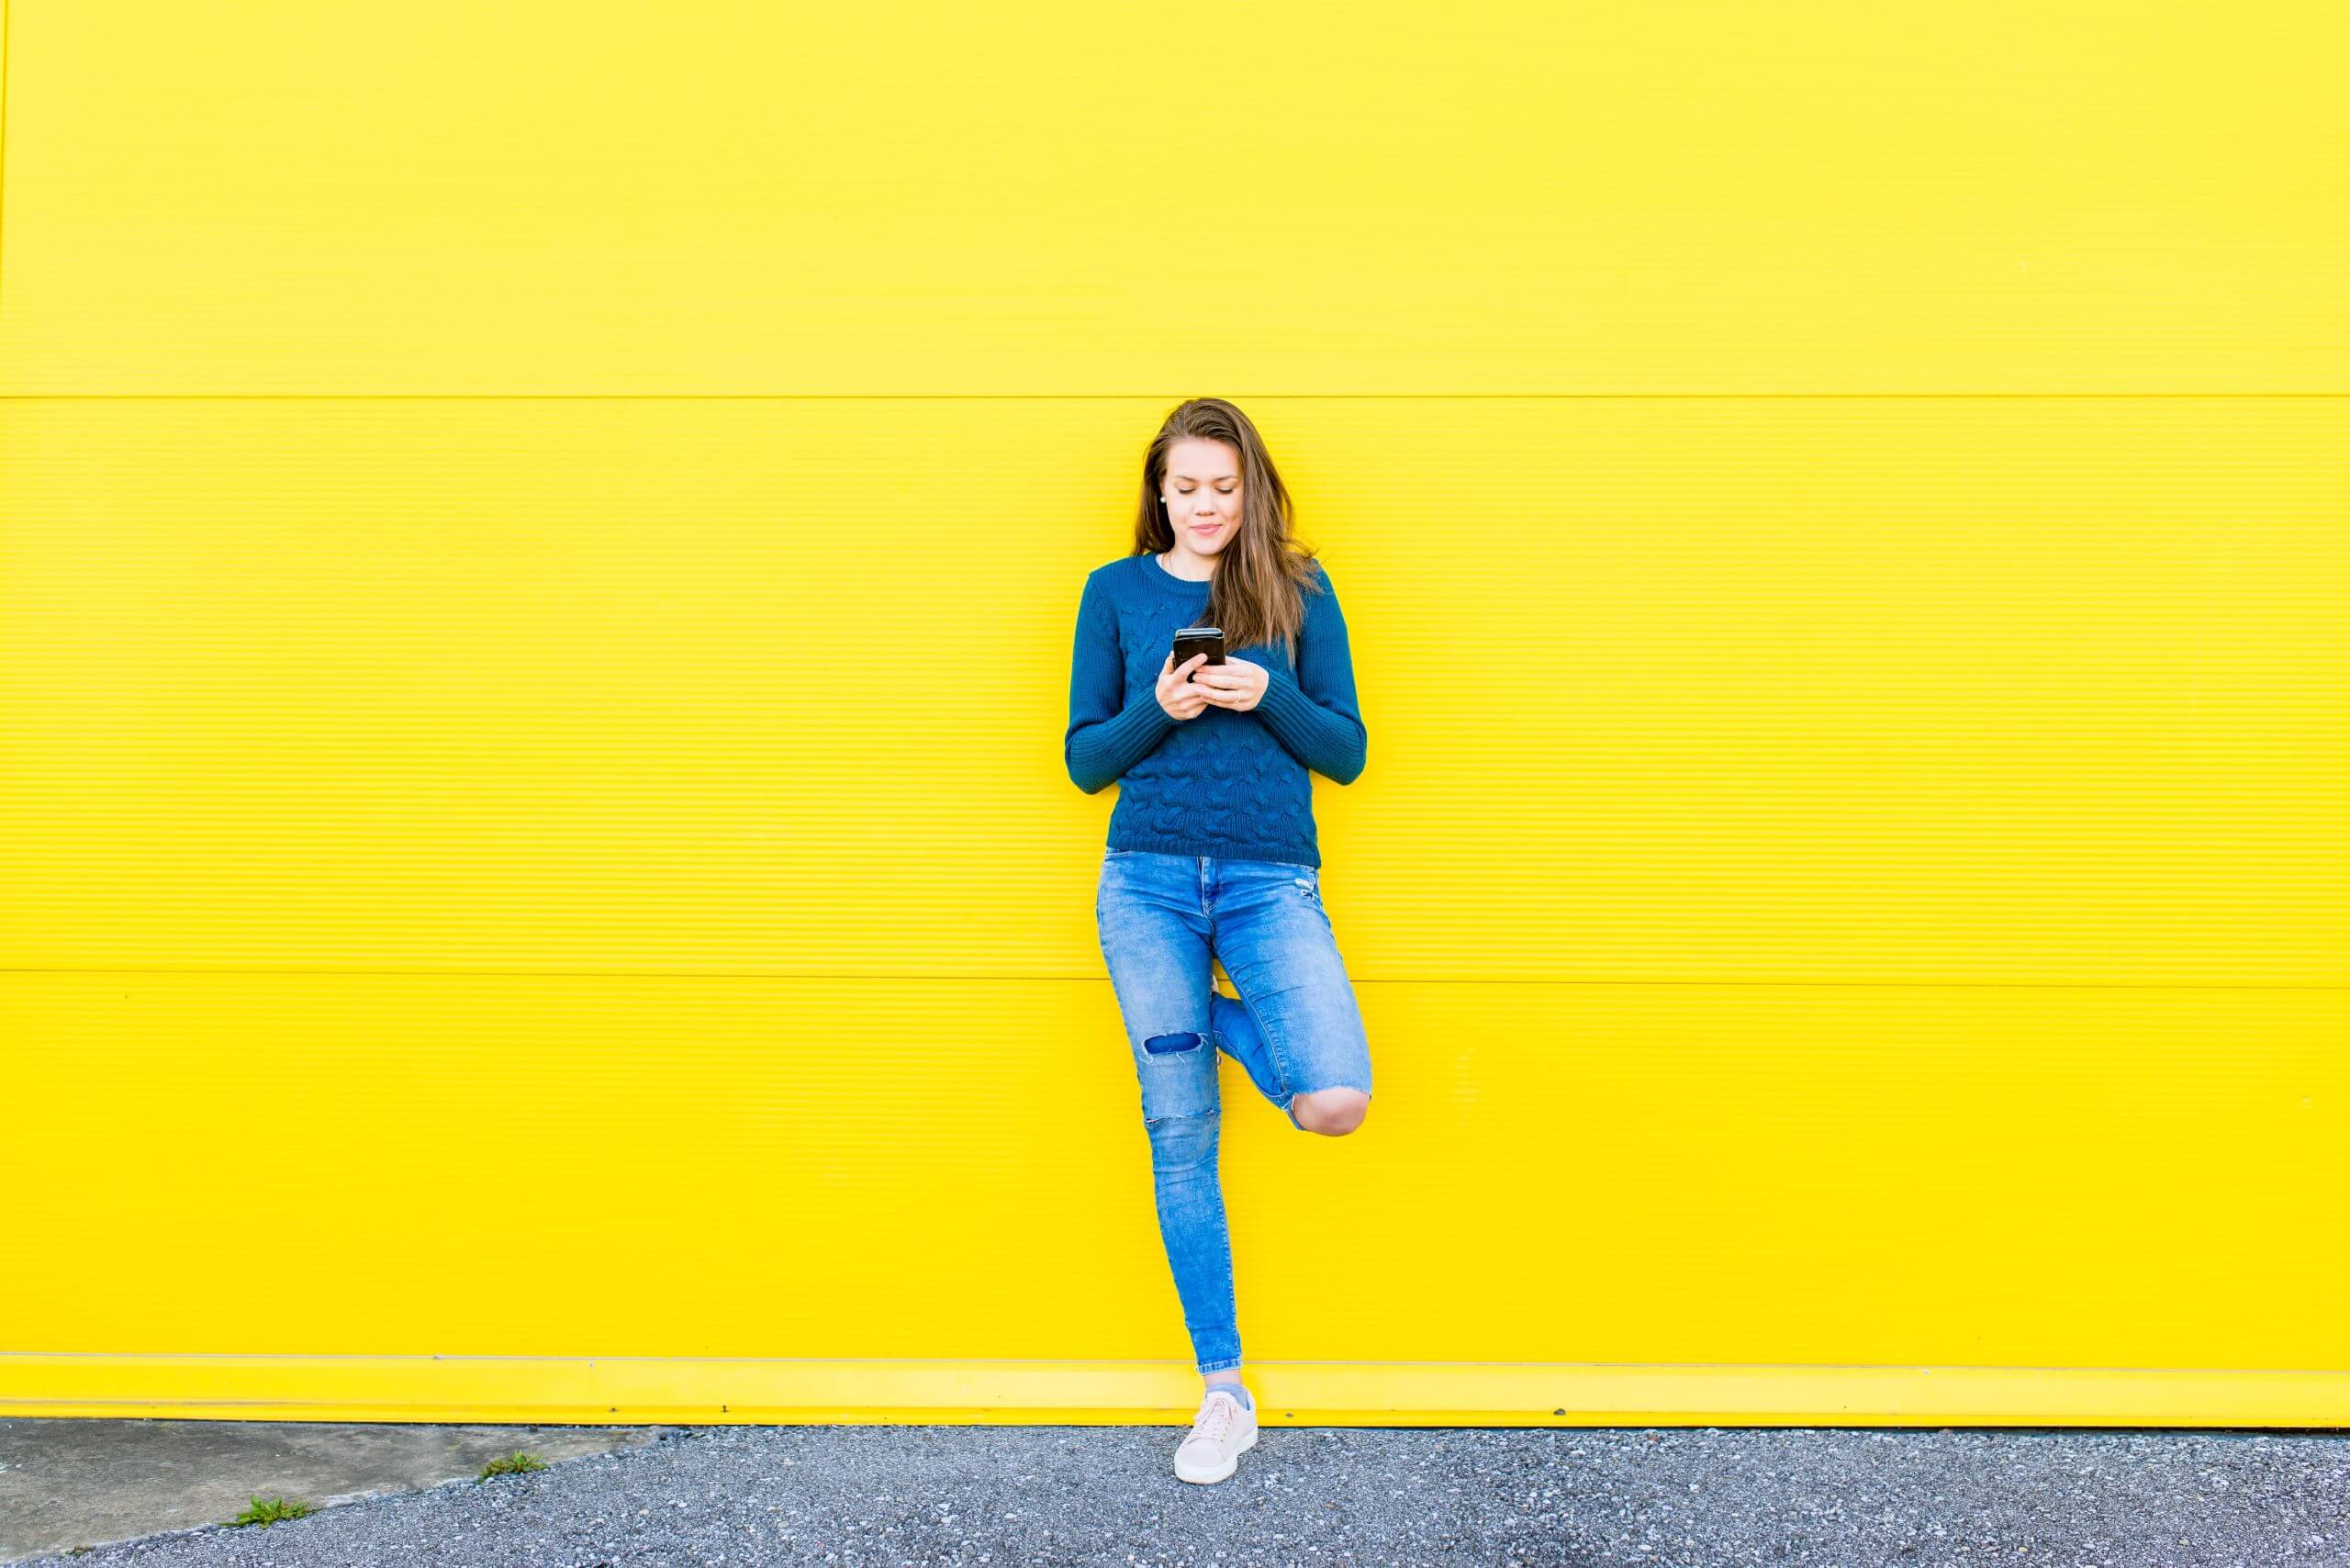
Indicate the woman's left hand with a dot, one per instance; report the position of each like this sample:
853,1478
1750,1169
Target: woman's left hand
1237,684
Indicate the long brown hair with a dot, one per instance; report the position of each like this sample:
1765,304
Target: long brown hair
1262,574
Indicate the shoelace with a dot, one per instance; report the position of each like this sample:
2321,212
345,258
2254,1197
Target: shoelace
1215,1417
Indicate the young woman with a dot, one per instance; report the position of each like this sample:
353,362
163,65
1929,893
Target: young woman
1211,852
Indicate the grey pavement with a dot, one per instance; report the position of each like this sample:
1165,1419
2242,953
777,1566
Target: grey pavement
77,1483
1692,1497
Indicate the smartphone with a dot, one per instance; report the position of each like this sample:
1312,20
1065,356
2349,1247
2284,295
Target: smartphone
1191,640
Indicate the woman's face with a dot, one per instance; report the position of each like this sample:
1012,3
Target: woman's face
1202,491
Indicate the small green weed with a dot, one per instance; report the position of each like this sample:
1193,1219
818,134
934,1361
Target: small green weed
271,1512
513,1462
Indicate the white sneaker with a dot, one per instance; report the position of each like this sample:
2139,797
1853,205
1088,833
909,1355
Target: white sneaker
1223,1431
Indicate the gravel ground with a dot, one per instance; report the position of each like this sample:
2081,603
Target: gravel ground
1694,1497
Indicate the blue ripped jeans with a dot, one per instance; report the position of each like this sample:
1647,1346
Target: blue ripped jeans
1295,1029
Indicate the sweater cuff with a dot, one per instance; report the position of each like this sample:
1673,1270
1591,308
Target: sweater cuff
1141,720
1123,740
1287,708
1325,741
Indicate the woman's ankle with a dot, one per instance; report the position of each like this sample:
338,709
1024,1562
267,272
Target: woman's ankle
1230,1382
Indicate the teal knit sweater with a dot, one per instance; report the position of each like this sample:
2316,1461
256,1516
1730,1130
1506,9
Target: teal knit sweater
1229,784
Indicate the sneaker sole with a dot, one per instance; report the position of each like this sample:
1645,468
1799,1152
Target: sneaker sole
1229,1465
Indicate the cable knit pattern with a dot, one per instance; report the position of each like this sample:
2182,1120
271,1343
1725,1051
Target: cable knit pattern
1231,785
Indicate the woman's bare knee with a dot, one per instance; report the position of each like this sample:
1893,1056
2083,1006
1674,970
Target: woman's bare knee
1331,1112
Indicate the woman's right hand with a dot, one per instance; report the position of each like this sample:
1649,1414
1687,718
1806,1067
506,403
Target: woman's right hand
1178,693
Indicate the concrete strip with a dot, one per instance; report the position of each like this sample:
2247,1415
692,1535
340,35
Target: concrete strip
65,1484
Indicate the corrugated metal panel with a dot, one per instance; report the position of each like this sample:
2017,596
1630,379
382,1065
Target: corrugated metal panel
1977,692
1594,1186
1850,898
1058,196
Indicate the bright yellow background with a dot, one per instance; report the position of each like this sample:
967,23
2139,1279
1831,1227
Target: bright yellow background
538,549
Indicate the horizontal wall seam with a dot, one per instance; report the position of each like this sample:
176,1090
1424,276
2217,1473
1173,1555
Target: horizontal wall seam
1128,397
1104,979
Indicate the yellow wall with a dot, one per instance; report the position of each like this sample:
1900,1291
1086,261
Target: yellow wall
538,548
